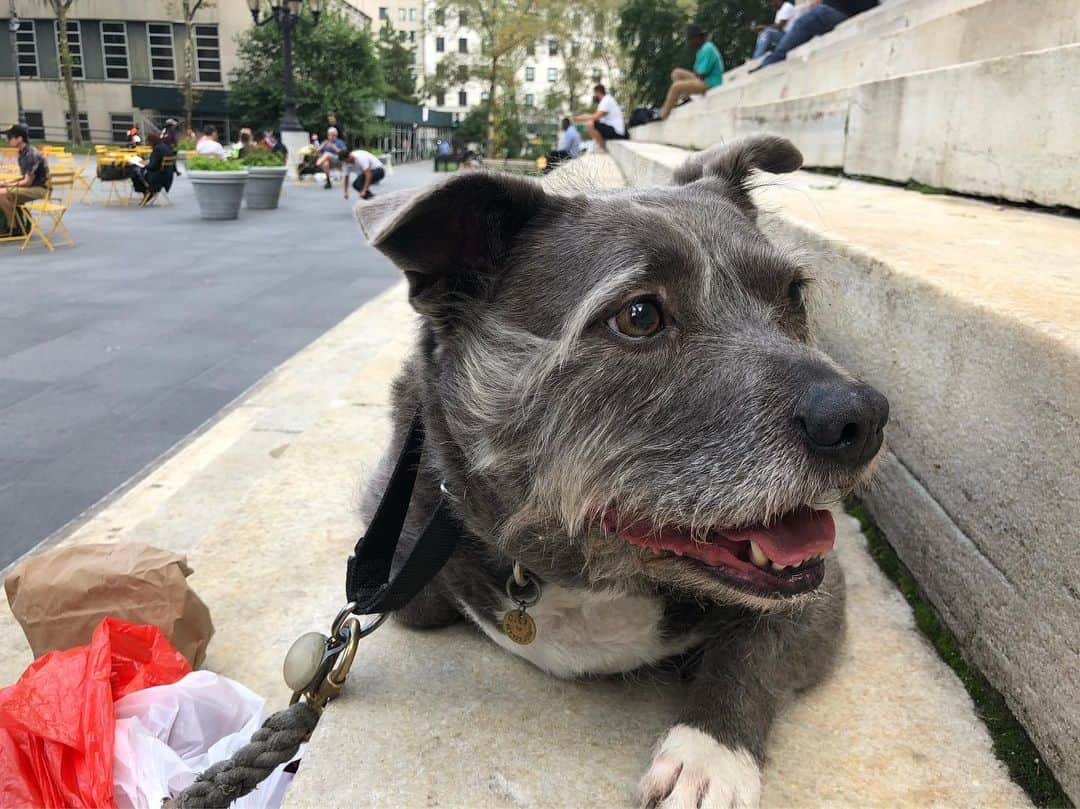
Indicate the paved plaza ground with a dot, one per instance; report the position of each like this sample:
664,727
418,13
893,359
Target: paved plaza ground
113,351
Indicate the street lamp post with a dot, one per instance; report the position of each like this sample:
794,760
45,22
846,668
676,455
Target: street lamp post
286,14
13,30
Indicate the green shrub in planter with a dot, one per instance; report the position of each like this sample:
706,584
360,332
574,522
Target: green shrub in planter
266,173
219,185
185,145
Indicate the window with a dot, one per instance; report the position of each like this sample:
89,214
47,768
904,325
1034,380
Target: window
530,49
462,98
401,15
74,43
440,44
35,125
596,74
440,16
440,99
597,49
462,45
553,47
84,126
26,47
384,13
530,74
412,36
553,74
462,19
115,50
162,60
462,72
207,54
575,49
485,95
412,14
530,100
120,123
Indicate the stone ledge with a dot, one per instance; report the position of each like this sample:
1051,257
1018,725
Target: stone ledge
965,314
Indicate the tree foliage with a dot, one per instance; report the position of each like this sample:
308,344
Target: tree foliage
730,24
396,61
335,69
653,35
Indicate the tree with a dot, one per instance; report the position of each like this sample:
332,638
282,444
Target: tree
730,24
335,69
396,61
67,74
653,33
189,94
505,28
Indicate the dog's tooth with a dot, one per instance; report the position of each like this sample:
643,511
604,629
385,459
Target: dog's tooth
757,555
778,568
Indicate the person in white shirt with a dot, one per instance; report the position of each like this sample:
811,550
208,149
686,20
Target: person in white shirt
365,165
208,144
769,35
606,123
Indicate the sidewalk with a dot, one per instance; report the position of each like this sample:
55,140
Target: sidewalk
263,503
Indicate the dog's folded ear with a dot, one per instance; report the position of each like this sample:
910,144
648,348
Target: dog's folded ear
445,236
732,165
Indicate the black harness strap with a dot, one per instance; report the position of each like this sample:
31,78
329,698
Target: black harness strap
371,582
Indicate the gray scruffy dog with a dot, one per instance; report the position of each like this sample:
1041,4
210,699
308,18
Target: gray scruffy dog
620,394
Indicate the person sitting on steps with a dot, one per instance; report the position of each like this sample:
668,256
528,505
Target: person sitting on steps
606,123
708,71
820,18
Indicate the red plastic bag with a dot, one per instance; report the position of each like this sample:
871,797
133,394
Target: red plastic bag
56,722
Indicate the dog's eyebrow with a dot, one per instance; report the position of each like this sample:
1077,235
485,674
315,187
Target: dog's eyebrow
594,302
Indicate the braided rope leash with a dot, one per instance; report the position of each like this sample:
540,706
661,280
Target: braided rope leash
272,745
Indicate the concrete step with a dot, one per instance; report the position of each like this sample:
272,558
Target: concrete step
967,315
989,128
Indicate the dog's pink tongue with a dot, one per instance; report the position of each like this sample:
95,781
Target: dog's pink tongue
798,536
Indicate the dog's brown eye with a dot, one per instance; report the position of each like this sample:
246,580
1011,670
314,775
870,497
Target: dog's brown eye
638,319
795,292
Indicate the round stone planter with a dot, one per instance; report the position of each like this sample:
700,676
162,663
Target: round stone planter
264,186
219,193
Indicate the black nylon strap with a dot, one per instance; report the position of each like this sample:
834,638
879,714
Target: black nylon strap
370,581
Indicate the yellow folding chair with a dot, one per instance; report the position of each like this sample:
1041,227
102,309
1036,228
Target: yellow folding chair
45,217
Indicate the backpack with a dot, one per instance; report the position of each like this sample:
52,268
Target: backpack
643,115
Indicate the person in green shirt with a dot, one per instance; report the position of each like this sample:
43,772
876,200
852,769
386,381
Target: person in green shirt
708,71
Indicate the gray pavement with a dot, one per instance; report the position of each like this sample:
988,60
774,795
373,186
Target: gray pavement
113,351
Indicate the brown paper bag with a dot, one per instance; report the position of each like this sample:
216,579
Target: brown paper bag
60,596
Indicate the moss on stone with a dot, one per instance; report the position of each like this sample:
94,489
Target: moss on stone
1012,745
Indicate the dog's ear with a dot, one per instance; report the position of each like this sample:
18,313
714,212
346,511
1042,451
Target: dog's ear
449,238
732,164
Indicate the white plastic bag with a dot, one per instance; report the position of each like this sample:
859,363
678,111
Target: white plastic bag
168,734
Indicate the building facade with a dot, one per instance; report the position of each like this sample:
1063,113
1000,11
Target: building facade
128,61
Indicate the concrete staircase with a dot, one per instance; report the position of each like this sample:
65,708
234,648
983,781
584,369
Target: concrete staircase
976,96
966,315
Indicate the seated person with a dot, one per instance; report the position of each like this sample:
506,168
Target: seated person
569,146
769,35
247,143
820,17
31,184
330,153
369,171
606,122
708,71
151,177
208,144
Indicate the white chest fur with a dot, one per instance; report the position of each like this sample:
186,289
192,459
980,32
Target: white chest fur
584,632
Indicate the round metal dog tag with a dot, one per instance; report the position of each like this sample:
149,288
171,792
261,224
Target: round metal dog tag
519,627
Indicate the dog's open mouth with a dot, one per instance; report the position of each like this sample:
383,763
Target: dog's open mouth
781,559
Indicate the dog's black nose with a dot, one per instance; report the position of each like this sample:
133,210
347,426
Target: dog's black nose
843,420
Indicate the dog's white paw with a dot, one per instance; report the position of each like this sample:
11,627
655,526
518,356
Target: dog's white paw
691,770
